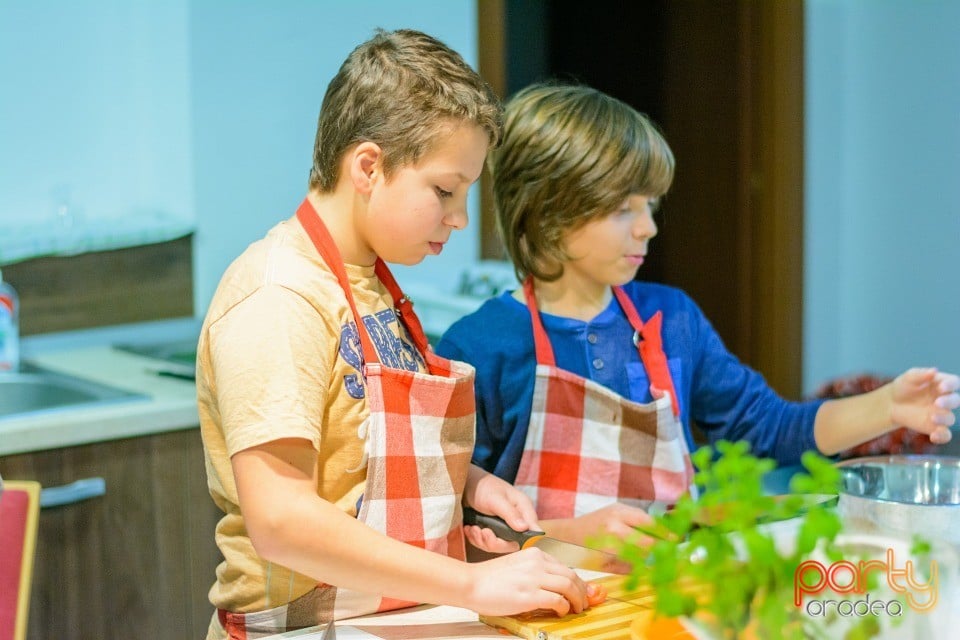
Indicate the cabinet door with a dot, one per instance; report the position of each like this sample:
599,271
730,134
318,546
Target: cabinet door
137,560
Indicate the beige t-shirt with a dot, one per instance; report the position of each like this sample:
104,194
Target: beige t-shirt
279,357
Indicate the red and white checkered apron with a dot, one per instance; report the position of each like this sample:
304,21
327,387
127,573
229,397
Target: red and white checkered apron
419,437
588,447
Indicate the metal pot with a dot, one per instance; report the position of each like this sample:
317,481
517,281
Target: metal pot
906,494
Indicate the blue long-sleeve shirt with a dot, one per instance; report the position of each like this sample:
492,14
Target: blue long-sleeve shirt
727,399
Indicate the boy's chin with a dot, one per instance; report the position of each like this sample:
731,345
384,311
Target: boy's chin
406,261
405,257
628,278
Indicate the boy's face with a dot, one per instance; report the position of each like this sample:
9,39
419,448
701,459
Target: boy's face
412,215
607,251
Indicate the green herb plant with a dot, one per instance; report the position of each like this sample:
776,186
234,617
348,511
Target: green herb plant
731,574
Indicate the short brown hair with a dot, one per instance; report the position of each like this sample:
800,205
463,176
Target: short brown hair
569,154
401,90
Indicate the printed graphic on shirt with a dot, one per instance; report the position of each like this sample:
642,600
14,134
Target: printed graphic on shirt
394,352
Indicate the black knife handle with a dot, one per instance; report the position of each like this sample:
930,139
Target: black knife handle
498,526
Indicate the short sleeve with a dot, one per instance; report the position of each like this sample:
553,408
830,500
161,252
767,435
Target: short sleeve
270,360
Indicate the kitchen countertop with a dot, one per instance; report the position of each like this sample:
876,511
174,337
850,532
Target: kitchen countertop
425,621
170,403
430,622
433,622
444,622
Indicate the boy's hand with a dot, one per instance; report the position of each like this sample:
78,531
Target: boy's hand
489,494
526,581
924,400
616,519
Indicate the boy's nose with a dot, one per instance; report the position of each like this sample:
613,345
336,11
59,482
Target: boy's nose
457,218
645,226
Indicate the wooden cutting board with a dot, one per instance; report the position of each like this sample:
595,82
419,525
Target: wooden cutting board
626,615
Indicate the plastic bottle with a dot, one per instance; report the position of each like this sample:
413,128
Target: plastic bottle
9,327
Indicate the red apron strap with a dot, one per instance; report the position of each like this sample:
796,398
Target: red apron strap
325,245
331,255
650,345
541,341
404,306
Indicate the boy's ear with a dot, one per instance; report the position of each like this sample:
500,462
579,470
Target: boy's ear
365,165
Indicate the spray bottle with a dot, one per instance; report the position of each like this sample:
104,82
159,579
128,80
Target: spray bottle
9,327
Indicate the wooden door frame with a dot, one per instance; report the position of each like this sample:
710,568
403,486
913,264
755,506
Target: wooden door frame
492,65
770,284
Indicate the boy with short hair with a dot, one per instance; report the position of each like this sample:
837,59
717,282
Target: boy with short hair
587,380
332,434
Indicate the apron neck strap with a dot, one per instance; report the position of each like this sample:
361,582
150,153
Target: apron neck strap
328,251
646,338
404,307
630,311
541,342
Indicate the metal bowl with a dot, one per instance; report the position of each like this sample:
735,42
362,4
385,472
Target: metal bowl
908,494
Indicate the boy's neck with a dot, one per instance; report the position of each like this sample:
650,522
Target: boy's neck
571,300
338,211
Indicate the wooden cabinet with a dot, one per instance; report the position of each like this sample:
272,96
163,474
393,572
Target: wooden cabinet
135,562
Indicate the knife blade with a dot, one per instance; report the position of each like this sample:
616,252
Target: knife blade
572,555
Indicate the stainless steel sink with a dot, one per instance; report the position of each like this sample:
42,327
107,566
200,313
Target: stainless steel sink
34,390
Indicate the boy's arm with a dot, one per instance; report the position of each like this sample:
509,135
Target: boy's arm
921,399
292,526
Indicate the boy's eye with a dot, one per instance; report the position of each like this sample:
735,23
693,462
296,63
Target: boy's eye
443,193
653,205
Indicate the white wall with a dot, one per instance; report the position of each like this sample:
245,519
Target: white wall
201,109
94,111
258,74
882,273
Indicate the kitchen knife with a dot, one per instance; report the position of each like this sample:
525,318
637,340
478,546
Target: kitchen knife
572,555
